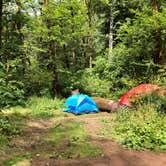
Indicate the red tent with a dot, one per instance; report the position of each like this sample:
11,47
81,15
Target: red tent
137,92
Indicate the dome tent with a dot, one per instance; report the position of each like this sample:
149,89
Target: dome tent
136,92
80,104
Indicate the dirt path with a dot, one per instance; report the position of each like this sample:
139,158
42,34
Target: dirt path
113,154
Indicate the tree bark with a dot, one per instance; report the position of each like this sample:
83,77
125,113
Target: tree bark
66,59
52,56
111,29
18,22
46,2
159,51
88,4
55,84
106,105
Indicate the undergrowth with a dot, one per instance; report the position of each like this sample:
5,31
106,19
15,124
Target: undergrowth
44,107
142,127
10,126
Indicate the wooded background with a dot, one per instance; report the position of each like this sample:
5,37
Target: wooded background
103,47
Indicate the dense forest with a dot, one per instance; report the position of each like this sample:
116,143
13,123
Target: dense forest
48,47
104,48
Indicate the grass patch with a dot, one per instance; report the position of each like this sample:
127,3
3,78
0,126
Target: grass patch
10,126
45,107
71,141
16,159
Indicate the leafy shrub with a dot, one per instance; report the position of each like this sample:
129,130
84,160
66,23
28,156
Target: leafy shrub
11,91
69,80
85,80
93,85
141,129
157,101
37,82
8,129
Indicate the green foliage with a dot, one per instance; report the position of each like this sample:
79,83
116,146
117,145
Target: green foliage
16,159
113,75
93,85
11,94
86,81
143,128
134,54
9,128
157,101
44,107
48,47
11,91
37,82
69,80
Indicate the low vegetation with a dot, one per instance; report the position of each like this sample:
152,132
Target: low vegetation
142,127
66,139
71,141
44,107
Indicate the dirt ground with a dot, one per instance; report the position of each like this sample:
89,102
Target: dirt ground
113,154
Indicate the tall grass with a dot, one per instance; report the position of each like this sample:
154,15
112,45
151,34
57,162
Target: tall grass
44,107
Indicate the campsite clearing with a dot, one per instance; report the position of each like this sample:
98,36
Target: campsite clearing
72,140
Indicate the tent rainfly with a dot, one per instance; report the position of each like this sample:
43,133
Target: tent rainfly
80,104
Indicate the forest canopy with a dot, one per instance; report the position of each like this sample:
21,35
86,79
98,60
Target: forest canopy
48,47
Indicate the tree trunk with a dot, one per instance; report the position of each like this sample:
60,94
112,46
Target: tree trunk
73,47
19,26
66,59
111,29
18,22
1,7
106,105
88,4
46,2
52,55
159,51
55,84
90,49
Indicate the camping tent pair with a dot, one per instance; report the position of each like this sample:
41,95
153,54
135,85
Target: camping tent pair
80,104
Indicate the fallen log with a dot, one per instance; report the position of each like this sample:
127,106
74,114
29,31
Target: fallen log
105,104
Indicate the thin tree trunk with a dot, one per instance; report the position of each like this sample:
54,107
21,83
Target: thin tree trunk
1,7
159,52
88,4
73,47
18,22
111,29
55,85
19,26
52,53
66,59
46,2
73,56
90,49
154,5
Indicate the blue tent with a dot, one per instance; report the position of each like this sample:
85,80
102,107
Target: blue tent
80,104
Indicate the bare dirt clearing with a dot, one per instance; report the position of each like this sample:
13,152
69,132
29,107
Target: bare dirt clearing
112,155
